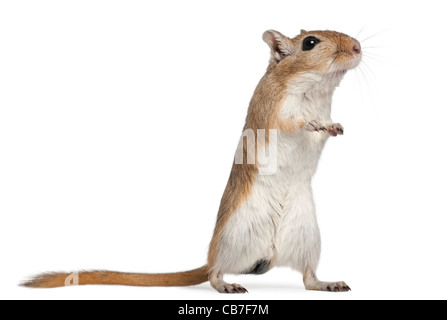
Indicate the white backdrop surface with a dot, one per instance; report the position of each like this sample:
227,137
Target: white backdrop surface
119,122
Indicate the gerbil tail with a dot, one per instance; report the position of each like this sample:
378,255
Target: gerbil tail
180,279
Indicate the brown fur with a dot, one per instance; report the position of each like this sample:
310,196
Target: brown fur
263,106
290,125
188,278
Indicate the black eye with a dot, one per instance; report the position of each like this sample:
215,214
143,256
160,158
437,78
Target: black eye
309,43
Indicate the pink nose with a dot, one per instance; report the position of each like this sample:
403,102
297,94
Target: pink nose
356,48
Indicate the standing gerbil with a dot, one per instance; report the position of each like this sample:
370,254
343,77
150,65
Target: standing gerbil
267,217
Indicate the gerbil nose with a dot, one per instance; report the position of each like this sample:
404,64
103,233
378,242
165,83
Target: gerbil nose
356,48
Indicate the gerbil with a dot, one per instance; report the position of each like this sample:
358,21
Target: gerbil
267,214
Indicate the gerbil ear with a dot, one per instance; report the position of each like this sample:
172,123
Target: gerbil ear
303,31
280,45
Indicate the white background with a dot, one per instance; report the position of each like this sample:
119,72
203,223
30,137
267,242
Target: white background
119,121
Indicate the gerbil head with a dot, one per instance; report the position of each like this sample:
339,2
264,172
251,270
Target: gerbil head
324,53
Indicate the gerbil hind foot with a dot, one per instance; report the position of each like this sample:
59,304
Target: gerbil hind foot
221,286
312,283
231,288
329,286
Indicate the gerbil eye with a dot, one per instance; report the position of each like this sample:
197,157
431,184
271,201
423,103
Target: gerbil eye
309,43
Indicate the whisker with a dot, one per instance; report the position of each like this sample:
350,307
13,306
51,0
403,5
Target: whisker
369,71
324,75
364,76
376,34
362,29
367,24
374,47
369,53
363,72
375,57
367,87
358,84
381,58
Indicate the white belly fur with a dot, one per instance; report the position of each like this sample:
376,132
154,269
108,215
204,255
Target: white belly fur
277,222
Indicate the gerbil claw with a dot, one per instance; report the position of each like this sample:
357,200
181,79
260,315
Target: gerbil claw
314,125
338,287
330,286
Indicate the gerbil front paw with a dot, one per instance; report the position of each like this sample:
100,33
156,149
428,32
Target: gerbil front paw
314,125
335,129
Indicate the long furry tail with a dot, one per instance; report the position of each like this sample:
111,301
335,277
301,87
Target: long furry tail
180,279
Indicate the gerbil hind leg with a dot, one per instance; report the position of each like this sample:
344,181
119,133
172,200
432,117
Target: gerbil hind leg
312,283
308,266
299,242
309,257
217,282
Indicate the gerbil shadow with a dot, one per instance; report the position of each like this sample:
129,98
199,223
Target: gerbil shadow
252,287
